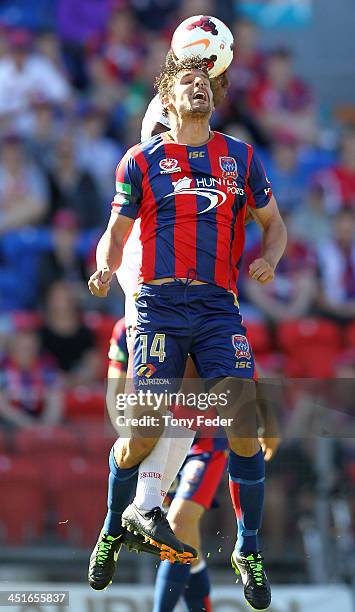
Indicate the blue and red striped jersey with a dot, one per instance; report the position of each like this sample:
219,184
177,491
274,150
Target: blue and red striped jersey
118,351
192,203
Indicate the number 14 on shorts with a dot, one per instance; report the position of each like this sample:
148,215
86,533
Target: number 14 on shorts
157,348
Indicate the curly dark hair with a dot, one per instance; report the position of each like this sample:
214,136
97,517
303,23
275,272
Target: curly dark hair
165,81
172,67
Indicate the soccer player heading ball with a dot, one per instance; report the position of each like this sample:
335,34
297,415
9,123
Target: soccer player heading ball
207,37
191,189
203,36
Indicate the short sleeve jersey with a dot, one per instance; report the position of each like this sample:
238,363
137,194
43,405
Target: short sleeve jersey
191,202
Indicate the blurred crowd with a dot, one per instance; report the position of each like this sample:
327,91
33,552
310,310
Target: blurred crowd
75,80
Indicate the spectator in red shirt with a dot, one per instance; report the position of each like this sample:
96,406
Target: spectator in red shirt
281,101
123,46
30,390
338,182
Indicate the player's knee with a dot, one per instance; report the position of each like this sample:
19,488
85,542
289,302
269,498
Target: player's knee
131,451
244,447
184,514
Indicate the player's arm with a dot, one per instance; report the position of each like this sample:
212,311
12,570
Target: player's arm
274,242
109,253
158,128
263,207
125,209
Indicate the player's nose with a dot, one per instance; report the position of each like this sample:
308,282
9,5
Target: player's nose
198,81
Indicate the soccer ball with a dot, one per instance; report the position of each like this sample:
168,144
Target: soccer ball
205,36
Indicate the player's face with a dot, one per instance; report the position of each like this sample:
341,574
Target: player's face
192,94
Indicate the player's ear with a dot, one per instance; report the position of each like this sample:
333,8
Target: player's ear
166,102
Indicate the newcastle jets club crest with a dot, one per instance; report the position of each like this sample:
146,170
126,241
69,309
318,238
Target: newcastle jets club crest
229,167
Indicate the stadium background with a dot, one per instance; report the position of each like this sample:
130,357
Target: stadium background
88,68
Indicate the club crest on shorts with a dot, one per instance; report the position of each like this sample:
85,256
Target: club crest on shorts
229,167
241,346
193,470
169,165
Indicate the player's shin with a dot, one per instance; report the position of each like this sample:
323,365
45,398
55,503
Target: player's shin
103,559
121,486
170,584
246,485
159,469
198,588
150,475
181,441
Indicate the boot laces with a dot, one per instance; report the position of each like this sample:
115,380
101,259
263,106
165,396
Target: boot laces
103,551
256,566
158,515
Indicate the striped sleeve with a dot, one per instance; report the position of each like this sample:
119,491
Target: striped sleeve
128,186
118,352
259,187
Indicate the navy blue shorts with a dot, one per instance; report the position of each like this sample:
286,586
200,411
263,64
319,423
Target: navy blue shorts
177,319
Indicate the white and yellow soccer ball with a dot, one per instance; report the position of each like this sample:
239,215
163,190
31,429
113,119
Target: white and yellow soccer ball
207,37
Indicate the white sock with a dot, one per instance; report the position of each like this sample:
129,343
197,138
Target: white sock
159,469
150,474
180,446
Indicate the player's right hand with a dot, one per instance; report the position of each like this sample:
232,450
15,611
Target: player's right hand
269,446
261,271
99,283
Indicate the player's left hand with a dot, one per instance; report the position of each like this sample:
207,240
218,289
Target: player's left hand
269,447
261,271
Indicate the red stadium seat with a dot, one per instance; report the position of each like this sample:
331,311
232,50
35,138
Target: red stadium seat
44,440
102,326
259,336
95,443
80,501
314,362
82,404
3,442
350,335
49,446
293,336
22,507
26,319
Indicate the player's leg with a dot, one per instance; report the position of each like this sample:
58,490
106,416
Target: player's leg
127,448
124,460
223,353
122,484
181,440
198,481
160,354
172,578
246,484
